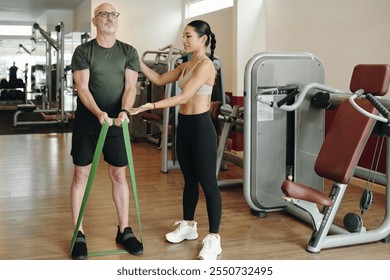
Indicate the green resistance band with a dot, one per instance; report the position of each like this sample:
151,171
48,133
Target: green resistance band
95,162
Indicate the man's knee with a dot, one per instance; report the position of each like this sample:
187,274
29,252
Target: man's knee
80,175
117,174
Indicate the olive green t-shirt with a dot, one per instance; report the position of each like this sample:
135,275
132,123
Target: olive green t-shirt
106,81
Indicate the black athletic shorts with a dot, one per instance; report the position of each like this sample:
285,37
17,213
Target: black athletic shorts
83,149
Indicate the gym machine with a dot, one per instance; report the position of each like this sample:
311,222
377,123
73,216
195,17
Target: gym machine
49,113
150,125
356,119
231,119
280,143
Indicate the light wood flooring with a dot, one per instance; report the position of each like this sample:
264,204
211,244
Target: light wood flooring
35,217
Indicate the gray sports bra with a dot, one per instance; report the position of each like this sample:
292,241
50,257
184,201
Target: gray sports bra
203,90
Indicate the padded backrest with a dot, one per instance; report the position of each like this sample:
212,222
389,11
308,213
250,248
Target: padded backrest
372,78
345,142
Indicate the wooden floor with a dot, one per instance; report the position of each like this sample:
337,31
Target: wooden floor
35,217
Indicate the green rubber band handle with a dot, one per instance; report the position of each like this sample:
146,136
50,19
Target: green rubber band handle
95,162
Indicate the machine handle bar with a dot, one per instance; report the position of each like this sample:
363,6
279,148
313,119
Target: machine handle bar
292,91
301,95
379,106
168,51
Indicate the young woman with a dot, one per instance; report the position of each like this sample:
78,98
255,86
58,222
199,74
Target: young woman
196,135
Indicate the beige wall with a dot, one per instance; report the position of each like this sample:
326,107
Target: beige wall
249,38
146,24
82,17
341,33
221,24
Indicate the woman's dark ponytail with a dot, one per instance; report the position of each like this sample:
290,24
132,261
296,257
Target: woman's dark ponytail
213,43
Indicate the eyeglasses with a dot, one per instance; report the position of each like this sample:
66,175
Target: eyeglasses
106,14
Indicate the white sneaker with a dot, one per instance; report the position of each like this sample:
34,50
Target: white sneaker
183,232
211,247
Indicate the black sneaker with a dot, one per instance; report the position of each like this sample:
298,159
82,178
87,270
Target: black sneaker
80,251
128,240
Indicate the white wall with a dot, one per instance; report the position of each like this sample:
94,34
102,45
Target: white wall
146,24
50,19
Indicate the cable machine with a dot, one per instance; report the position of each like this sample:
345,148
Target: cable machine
47,110
277,143
356,119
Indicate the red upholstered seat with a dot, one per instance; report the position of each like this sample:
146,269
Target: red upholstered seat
300,191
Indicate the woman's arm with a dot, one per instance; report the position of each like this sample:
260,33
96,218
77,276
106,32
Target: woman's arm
161,79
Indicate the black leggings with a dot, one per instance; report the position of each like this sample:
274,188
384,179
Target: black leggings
197,154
